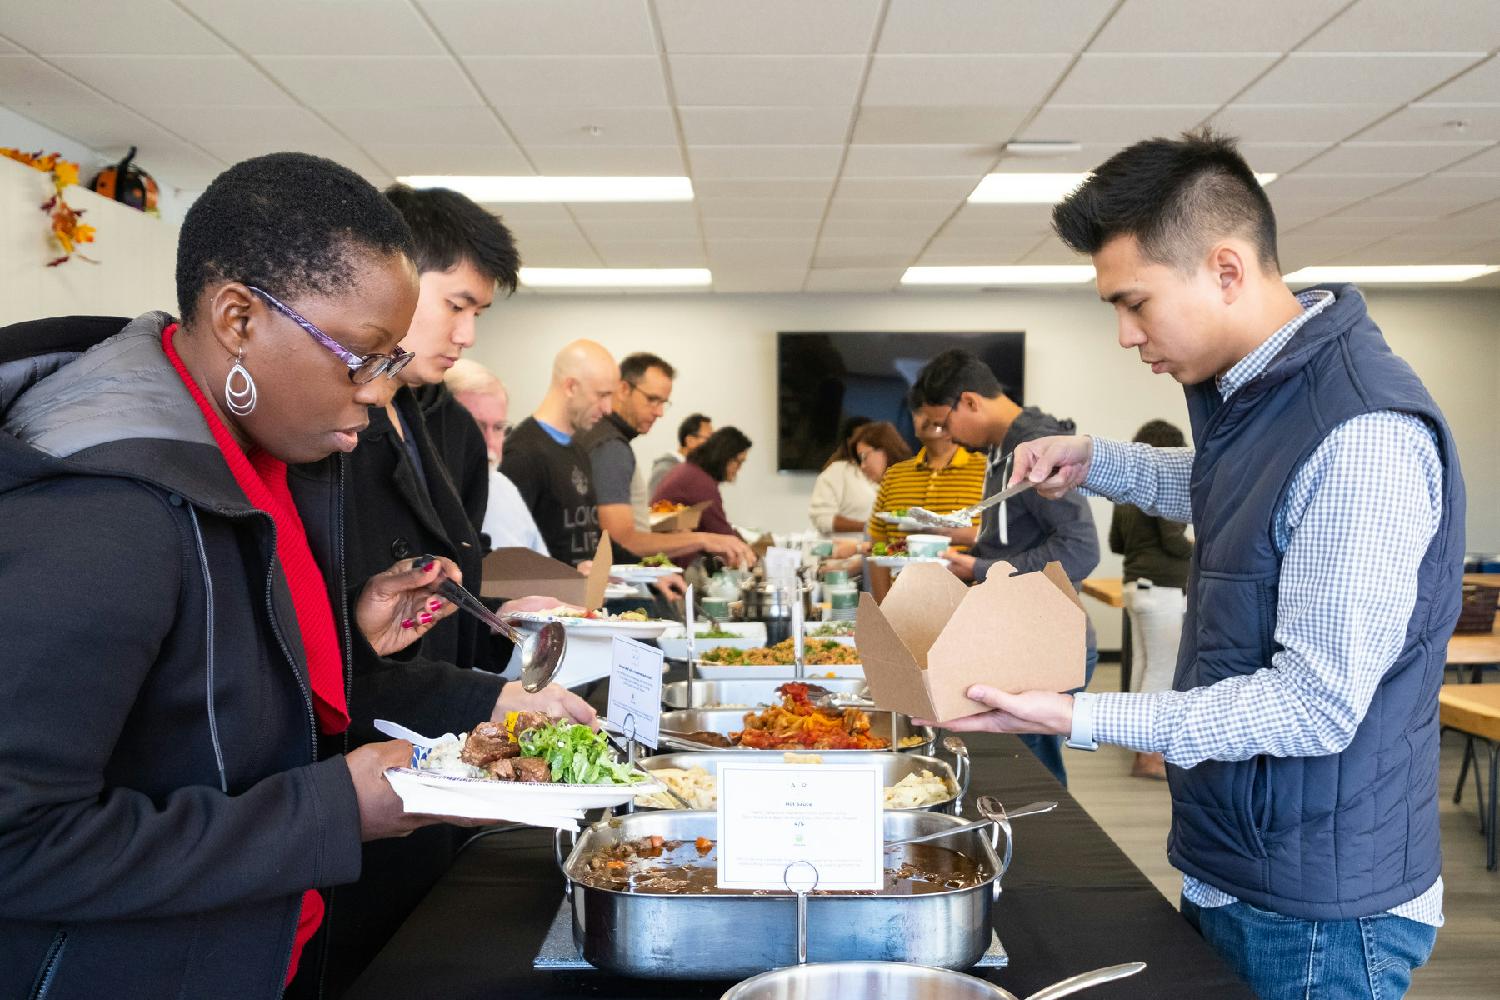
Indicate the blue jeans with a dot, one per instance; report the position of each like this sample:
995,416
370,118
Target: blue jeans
1048,749
1288,958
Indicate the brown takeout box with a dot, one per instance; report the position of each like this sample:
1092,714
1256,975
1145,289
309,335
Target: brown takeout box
933,637
685,519
519,572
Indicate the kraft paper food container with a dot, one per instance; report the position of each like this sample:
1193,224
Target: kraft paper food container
933,637
521,572
684,520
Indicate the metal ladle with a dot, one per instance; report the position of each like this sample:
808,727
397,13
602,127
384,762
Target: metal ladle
541,654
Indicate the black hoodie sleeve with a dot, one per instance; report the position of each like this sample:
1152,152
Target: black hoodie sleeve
1068,537
101,565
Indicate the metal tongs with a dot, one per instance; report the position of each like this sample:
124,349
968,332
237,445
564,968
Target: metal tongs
1031,809
963,518
541,654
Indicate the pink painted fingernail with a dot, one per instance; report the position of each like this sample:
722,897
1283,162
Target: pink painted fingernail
408,623
424,618
431,563
434,604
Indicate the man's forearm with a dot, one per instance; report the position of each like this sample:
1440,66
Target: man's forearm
1154,479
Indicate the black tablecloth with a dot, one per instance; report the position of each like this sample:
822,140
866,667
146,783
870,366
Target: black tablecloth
1072,902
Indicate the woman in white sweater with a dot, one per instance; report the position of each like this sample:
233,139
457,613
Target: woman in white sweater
844,493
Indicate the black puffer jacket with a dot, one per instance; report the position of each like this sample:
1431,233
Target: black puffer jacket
162,804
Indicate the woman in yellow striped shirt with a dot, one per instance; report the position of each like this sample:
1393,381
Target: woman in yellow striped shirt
941,477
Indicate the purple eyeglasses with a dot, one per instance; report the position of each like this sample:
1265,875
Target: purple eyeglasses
362,368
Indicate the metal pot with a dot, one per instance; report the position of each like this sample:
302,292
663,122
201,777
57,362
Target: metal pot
762,600
730,937
894,981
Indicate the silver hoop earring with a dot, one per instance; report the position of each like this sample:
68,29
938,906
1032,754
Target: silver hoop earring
241,401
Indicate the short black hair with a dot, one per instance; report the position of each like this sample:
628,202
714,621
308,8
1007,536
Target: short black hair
289,223
690,425
450,229
951,374
1176,197
714,455
1160,434
633,366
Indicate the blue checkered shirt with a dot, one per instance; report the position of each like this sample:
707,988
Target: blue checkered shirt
1352,529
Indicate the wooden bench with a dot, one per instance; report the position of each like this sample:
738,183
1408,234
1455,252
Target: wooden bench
1474,710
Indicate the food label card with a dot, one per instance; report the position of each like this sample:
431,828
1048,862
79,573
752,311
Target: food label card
635,689
775,815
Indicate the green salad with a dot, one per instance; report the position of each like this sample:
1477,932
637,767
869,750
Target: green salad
660,559
577,755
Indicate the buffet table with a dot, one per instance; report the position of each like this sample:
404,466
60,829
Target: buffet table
1072,902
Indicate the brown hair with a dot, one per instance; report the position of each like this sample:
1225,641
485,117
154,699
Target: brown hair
882,434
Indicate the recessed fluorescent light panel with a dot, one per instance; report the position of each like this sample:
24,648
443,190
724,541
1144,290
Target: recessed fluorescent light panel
500,190
616,277
1405,274
1020,188
1020,274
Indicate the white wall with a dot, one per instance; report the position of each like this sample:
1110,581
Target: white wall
136,255
724,348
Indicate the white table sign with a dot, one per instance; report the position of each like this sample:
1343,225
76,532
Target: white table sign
774,815
635,689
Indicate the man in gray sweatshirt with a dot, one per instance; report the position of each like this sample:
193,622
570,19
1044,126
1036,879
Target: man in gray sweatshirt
959,391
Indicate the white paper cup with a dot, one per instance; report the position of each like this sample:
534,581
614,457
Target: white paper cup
927,546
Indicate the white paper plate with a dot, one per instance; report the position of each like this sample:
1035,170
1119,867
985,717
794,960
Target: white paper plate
632,573
608,626
775,671
900,562
435,793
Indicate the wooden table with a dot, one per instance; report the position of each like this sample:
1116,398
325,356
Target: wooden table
1474,710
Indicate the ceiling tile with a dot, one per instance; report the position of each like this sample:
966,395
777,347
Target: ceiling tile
1279,157
773,126
26,81
1452,187
1052,251
670,227
570,81
103,126
320,27
1291,213
915,210
764,161
1087,158
919,161
864,259
758,208
1296,122
175,163
1159,78
741,253
766,81
786,187
1438,123
988,220
927,126
920,229
1084,123
853,245
1350,186
333,148
564,253
1295,251
781,26
954,189
1479,85
1407,249
576,126
1320,78
759,229
932,81
428,158
1487,162
552,27
1479,224
998,244
760,279
983,26
941,256
652,253
143,82
373,81
853,279
81,27
1390,157
1266,26
287,126
616,211
545,230
8,46
607,161
1396,205
1371,25
1370,229
472,125
528,211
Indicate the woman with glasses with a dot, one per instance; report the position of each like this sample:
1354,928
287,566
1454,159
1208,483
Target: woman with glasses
172,787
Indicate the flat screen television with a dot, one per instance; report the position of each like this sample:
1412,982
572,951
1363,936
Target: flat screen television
823,378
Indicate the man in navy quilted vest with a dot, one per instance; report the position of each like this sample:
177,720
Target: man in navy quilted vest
1301,731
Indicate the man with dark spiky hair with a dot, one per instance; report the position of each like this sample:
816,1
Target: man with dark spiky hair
1301,734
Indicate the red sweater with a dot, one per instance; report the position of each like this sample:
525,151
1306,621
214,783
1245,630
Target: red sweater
263,479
